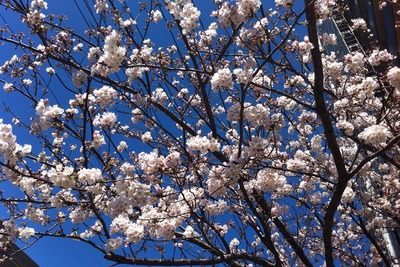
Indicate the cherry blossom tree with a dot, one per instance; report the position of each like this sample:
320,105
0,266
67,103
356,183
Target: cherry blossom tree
199,133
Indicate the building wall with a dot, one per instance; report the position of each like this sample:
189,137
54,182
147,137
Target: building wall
16,257
381,22
19,259
383,34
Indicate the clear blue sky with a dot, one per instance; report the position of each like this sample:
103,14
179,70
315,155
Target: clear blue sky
51,252
48,252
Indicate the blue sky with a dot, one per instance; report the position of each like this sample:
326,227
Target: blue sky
51,252
47,252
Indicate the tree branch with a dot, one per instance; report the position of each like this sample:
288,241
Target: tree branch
183,262
323,113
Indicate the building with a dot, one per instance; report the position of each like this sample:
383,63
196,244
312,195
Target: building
383,23
17,258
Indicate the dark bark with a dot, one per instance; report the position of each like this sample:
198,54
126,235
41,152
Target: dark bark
320,106
183,262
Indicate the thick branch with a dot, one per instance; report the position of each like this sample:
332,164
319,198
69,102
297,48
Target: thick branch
183,262
373,241
375,154
286,234
324,116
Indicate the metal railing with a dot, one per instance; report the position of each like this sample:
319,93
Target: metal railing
346,32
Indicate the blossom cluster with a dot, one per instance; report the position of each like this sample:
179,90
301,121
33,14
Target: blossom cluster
354,62
248,7
378,56
110,61
203,141
304,48
105,120
186,12
393,76
375,134
270,181
153,162
11,151
105,96
46,114
287,4
359,24
222,79
203,144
